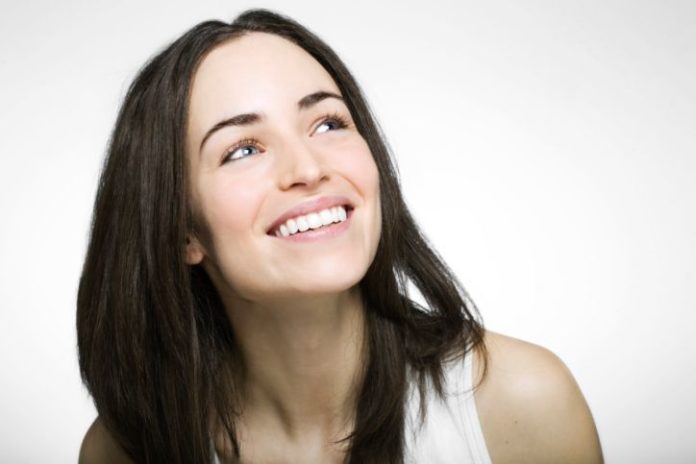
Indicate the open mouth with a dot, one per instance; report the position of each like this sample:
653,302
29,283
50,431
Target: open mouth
317,220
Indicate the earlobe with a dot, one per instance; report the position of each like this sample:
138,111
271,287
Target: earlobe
194,251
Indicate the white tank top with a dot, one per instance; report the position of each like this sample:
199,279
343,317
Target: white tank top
451,432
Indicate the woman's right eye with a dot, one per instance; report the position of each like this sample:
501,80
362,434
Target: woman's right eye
244,148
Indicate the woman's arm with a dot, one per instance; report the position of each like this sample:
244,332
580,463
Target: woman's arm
531,409
99,447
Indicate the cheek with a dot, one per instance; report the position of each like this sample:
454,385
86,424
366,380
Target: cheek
230,207
361,170
359,167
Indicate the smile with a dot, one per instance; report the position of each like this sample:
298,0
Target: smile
312,221
317,218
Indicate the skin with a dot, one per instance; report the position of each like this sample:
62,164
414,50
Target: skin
299,322
294,306
531,408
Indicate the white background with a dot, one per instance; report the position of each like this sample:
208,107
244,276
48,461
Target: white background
547,148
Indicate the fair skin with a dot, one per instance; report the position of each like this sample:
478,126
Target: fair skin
299,323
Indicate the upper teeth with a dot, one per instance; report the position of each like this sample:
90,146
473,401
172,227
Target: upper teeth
312,221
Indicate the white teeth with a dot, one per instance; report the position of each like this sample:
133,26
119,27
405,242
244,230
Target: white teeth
292,226
312,221
326,217
302,224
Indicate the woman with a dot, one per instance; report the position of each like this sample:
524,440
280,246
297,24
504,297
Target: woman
245,295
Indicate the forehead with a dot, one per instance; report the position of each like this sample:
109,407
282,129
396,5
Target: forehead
255,72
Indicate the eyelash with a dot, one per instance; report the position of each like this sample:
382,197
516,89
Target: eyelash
340,121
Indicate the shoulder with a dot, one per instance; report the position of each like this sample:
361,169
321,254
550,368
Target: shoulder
99,446
530,406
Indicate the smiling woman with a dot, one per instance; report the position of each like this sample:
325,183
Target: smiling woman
278,151
245,295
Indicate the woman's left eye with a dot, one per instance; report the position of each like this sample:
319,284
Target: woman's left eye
330,123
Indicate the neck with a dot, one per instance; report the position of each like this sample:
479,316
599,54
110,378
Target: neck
303,360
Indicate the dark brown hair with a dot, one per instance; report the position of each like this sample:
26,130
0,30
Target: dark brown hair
156,349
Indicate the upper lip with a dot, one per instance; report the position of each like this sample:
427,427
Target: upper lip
310,206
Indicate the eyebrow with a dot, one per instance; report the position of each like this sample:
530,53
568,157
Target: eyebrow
246,119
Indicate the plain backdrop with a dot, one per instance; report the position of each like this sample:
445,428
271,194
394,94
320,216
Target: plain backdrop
547,148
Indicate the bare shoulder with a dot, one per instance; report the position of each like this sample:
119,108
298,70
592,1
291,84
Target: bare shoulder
99,446
531,408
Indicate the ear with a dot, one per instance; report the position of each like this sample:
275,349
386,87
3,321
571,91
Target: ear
195,252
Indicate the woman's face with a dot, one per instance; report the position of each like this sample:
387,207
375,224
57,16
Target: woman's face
273,150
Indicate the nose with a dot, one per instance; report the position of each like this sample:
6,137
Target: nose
300,166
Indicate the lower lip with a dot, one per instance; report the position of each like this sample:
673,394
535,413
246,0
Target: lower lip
322,233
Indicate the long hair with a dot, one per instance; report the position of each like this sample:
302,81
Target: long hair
156,349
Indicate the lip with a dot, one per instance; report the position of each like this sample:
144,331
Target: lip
310,206
322,233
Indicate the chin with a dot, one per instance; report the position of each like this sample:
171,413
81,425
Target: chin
314,274
326,287
309,281
326,283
